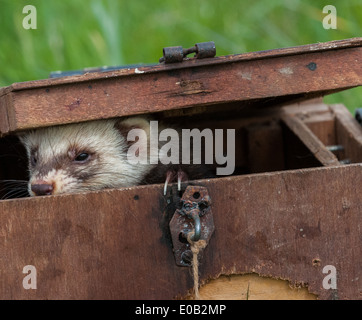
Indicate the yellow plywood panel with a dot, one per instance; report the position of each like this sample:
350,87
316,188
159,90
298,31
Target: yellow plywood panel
253,287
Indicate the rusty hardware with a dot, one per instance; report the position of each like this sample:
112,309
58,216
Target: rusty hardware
337,148
177,54
194,215
358,115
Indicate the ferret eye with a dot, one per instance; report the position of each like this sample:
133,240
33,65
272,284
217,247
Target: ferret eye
81,157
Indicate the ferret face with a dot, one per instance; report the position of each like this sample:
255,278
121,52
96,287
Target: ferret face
79,157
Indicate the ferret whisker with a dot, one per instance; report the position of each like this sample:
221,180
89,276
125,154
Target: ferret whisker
13,180
8,189
14,189
15,194
12,184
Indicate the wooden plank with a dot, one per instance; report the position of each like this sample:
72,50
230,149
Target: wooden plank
316,147
317,116
323,126
115,244
306,107
303,75
5,105
349,133
190,62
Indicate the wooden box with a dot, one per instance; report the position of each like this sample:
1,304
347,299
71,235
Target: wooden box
287,222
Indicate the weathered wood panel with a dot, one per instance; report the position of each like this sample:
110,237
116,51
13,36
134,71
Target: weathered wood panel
187,63
115,244
318,116
5,105
295,73
310,140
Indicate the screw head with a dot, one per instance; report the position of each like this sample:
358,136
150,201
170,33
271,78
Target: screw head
186,257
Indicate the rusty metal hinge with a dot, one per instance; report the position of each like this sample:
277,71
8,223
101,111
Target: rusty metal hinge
358,115
177,54
195,215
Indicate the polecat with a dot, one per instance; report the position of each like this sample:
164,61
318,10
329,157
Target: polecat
92,156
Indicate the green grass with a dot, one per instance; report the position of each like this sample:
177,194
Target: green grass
89,33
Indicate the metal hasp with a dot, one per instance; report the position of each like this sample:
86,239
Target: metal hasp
358,115
177,54
194,215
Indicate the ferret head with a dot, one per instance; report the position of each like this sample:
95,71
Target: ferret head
82,157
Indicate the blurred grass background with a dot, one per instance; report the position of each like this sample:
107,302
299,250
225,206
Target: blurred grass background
76,34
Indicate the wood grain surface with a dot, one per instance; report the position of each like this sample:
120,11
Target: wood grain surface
116,244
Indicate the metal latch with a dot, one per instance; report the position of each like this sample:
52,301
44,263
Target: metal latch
358,115
177,54
195,215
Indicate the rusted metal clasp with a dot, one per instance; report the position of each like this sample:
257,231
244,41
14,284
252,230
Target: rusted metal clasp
358,115
176,54
194,215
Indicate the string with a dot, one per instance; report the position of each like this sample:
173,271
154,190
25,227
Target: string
196,247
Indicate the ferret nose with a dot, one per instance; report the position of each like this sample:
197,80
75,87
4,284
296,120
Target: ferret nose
43,189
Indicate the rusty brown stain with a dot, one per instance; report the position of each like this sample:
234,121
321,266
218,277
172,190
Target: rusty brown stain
74,104
189,87
309,231
51,272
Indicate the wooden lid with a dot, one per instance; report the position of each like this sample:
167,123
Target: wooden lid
275,75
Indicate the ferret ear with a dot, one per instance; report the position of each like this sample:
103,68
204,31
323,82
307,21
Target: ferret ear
125,125
136,131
